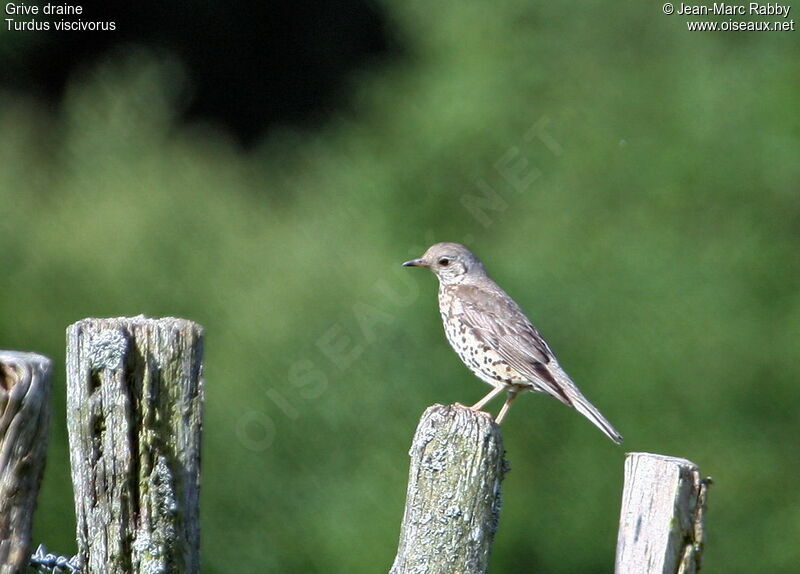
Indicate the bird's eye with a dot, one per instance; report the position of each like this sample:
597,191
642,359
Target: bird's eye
444,262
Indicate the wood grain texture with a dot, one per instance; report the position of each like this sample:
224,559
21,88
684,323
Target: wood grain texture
134,408
661,522
453,499
24,421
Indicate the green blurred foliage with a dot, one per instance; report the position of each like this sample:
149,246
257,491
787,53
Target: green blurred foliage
653,239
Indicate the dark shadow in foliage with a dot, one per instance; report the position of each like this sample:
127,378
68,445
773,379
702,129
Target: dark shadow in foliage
250,65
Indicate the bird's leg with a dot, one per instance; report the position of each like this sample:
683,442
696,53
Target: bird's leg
512,394
492,394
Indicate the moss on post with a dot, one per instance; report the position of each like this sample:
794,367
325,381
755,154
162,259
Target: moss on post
134,409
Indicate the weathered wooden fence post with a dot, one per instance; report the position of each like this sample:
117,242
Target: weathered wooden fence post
661,522
134,410
453,498
24,420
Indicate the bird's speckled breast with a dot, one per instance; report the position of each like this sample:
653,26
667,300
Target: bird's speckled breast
481,359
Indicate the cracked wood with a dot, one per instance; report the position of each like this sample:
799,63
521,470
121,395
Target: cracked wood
453,499
134,408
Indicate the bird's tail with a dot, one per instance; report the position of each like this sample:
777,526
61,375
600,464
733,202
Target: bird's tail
569,390
588,410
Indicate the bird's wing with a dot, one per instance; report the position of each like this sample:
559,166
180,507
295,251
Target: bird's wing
497,321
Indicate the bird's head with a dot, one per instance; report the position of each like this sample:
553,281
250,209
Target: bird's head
451,262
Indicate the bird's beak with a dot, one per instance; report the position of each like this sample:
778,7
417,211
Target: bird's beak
415,263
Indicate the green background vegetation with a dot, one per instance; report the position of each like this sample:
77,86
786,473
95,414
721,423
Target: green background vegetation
655,244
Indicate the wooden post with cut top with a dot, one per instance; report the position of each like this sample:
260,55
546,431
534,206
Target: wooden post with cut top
453,498
134,410
24,421
661,522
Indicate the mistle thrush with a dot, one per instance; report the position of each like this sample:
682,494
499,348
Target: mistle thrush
494,338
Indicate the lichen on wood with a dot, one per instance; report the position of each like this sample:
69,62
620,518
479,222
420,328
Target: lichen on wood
453,498
134,409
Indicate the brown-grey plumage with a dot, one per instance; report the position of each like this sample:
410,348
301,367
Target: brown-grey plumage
494,338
